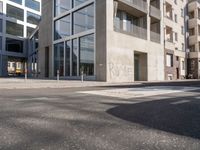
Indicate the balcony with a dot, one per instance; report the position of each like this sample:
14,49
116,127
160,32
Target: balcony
155,37
155,12
138,4
130,29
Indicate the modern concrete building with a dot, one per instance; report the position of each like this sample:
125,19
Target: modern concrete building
175,44
120,40
18,19
107,40
194,38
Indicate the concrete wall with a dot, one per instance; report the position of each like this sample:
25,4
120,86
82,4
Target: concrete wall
45,37
120,53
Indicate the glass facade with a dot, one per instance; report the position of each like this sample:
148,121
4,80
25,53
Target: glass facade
29,31
14,29
0,42
62,28
83,19
35,5
62,6
86,55
74,57
1,25
76,54
78,2
59,58
1,8
15,12
13,45
33,18
17,1
67,58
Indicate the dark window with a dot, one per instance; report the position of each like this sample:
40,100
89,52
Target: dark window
62,6
1,25
14,28
13,45
83,19
87,54
0,43
15,12
33,18
62,28
32,4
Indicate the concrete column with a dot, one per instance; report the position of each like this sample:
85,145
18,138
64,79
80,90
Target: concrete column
148,21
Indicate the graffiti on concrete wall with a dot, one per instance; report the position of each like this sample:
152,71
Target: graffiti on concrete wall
120,70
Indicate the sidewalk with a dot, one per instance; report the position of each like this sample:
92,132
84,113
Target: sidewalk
20,83
16,83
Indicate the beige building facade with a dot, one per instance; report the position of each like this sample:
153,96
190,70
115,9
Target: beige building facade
114,40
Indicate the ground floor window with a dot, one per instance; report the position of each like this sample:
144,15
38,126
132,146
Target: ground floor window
75,56
59,59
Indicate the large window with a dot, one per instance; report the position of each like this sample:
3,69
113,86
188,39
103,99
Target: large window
78,2
83,19
0,43
13,45
14,28
74,57
29,31
59,58
86,55
62,6
67,58
17,1
62,28
32,4
33,18
15,12
1,25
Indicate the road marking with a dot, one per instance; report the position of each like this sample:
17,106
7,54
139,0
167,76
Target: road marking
127,93
36,98
180,102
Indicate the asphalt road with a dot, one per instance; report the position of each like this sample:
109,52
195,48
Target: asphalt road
65,119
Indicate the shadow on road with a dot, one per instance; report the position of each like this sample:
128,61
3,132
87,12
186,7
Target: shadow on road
180,115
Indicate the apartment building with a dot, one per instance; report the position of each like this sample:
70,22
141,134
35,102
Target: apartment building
175,39
106,40
18,19
194,38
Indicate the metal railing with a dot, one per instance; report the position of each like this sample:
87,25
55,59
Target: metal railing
130,29
139,4
155,37
155,12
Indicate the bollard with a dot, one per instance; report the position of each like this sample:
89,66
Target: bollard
58,75
82,76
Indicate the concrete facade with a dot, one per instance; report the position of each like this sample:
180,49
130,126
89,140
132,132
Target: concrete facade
134,40
175,29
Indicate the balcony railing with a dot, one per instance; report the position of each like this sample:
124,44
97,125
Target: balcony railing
155,37
130,29
155,12
138,4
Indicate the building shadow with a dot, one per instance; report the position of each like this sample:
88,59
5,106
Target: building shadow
179,116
